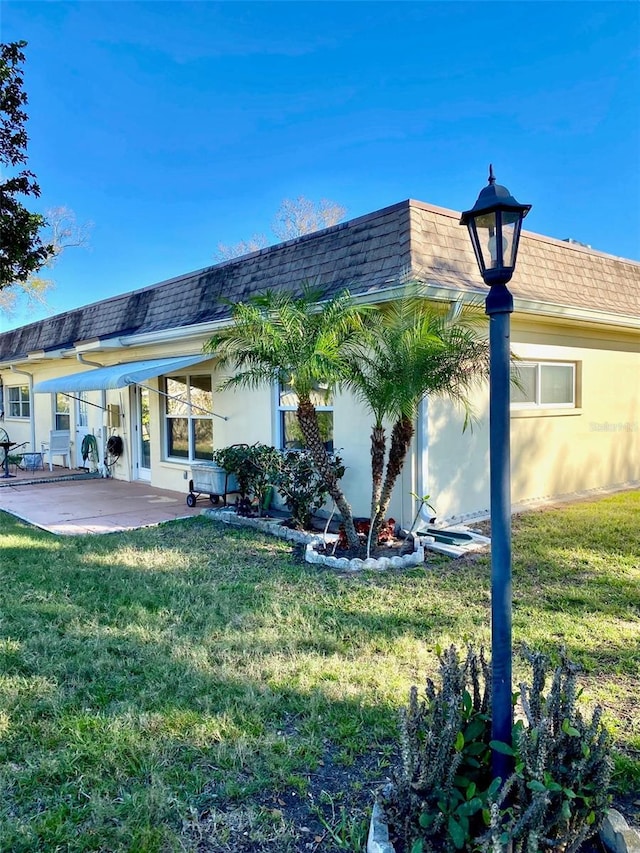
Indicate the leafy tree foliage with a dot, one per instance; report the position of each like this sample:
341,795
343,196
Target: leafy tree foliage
22,250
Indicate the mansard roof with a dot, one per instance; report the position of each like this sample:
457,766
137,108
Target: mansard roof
369,255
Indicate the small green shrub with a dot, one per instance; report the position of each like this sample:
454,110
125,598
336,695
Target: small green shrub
443,796
234,460
562,766
300,484
442,783
292,473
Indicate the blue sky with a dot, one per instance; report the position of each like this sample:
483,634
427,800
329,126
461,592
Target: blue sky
174,126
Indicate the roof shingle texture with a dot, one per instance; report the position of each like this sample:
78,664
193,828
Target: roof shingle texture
366,255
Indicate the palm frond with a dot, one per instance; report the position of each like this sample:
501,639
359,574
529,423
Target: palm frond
412,349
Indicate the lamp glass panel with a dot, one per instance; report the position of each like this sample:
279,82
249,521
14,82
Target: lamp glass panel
475,242
486,228
510,234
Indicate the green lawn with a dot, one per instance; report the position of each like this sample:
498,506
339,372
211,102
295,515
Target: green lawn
191,688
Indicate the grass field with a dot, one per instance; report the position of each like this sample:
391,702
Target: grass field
191,688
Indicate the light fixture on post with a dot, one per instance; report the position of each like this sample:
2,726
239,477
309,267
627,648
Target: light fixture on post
494,225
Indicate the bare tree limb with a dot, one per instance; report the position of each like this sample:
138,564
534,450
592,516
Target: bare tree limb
294,218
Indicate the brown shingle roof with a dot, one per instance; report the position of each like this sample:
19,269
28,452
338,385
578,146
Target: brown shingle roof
367,255
548,270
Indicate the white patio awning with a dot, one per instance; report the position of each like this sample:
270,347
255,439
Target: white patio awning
116,375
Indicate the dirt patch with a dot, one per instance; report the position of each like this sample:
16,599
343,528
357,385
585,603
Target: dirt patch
328,811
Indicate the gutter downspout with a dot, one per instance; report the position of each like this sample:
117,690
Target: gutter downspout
422,448
84,360
32,422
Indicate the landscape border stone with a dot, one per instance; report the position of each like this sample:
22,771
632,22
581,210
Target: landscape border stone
275,528
617,836
271,526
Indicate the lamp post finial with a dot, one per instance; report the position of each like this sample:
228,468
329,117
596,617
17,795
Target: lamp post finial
492,177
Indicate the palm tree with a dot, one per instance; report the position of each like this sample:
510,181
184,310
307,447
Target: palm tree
411,351
299,342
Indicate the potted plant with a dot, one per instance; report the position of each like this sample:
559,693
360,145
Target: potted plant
443,797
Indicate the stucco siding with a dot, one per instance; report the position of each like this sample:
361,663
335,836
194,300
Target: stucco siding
553,451
458,458
597,444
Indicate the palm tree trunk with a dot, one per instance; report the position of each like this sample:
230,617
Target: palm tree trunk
378,447
401,436
308,420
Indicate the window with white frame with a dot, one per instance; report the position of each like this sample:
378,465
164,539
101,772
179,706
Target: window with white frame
289,428
19,402
62,411
543,384
188,417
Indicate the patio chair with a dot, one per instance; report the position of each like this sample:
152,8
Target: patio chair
59,445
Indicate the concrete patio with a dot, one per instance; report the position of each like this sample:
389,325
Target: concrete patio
86,504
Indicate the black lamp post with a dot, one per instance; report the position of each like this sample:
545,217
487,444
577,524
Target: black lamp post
494,225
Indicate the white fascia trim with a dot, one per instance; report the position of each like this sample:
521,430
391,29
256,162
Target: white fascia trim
182,333
437,293
530,306
97,345
36,356
48,355
584,315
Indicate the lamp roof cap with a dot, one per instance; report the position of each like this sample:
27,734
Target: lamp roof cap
494,197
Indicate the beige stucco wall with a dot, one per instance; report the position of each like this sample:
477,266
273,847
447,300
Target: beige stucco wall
458,461
598,444
251,417
352,441
248,416
554,451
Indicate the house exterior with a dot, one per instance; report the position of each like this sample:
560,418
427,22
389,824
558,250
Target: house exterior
133,365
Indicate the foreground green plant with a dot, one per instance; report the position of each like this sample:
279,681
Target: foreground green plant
260,468
444,796
296,478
